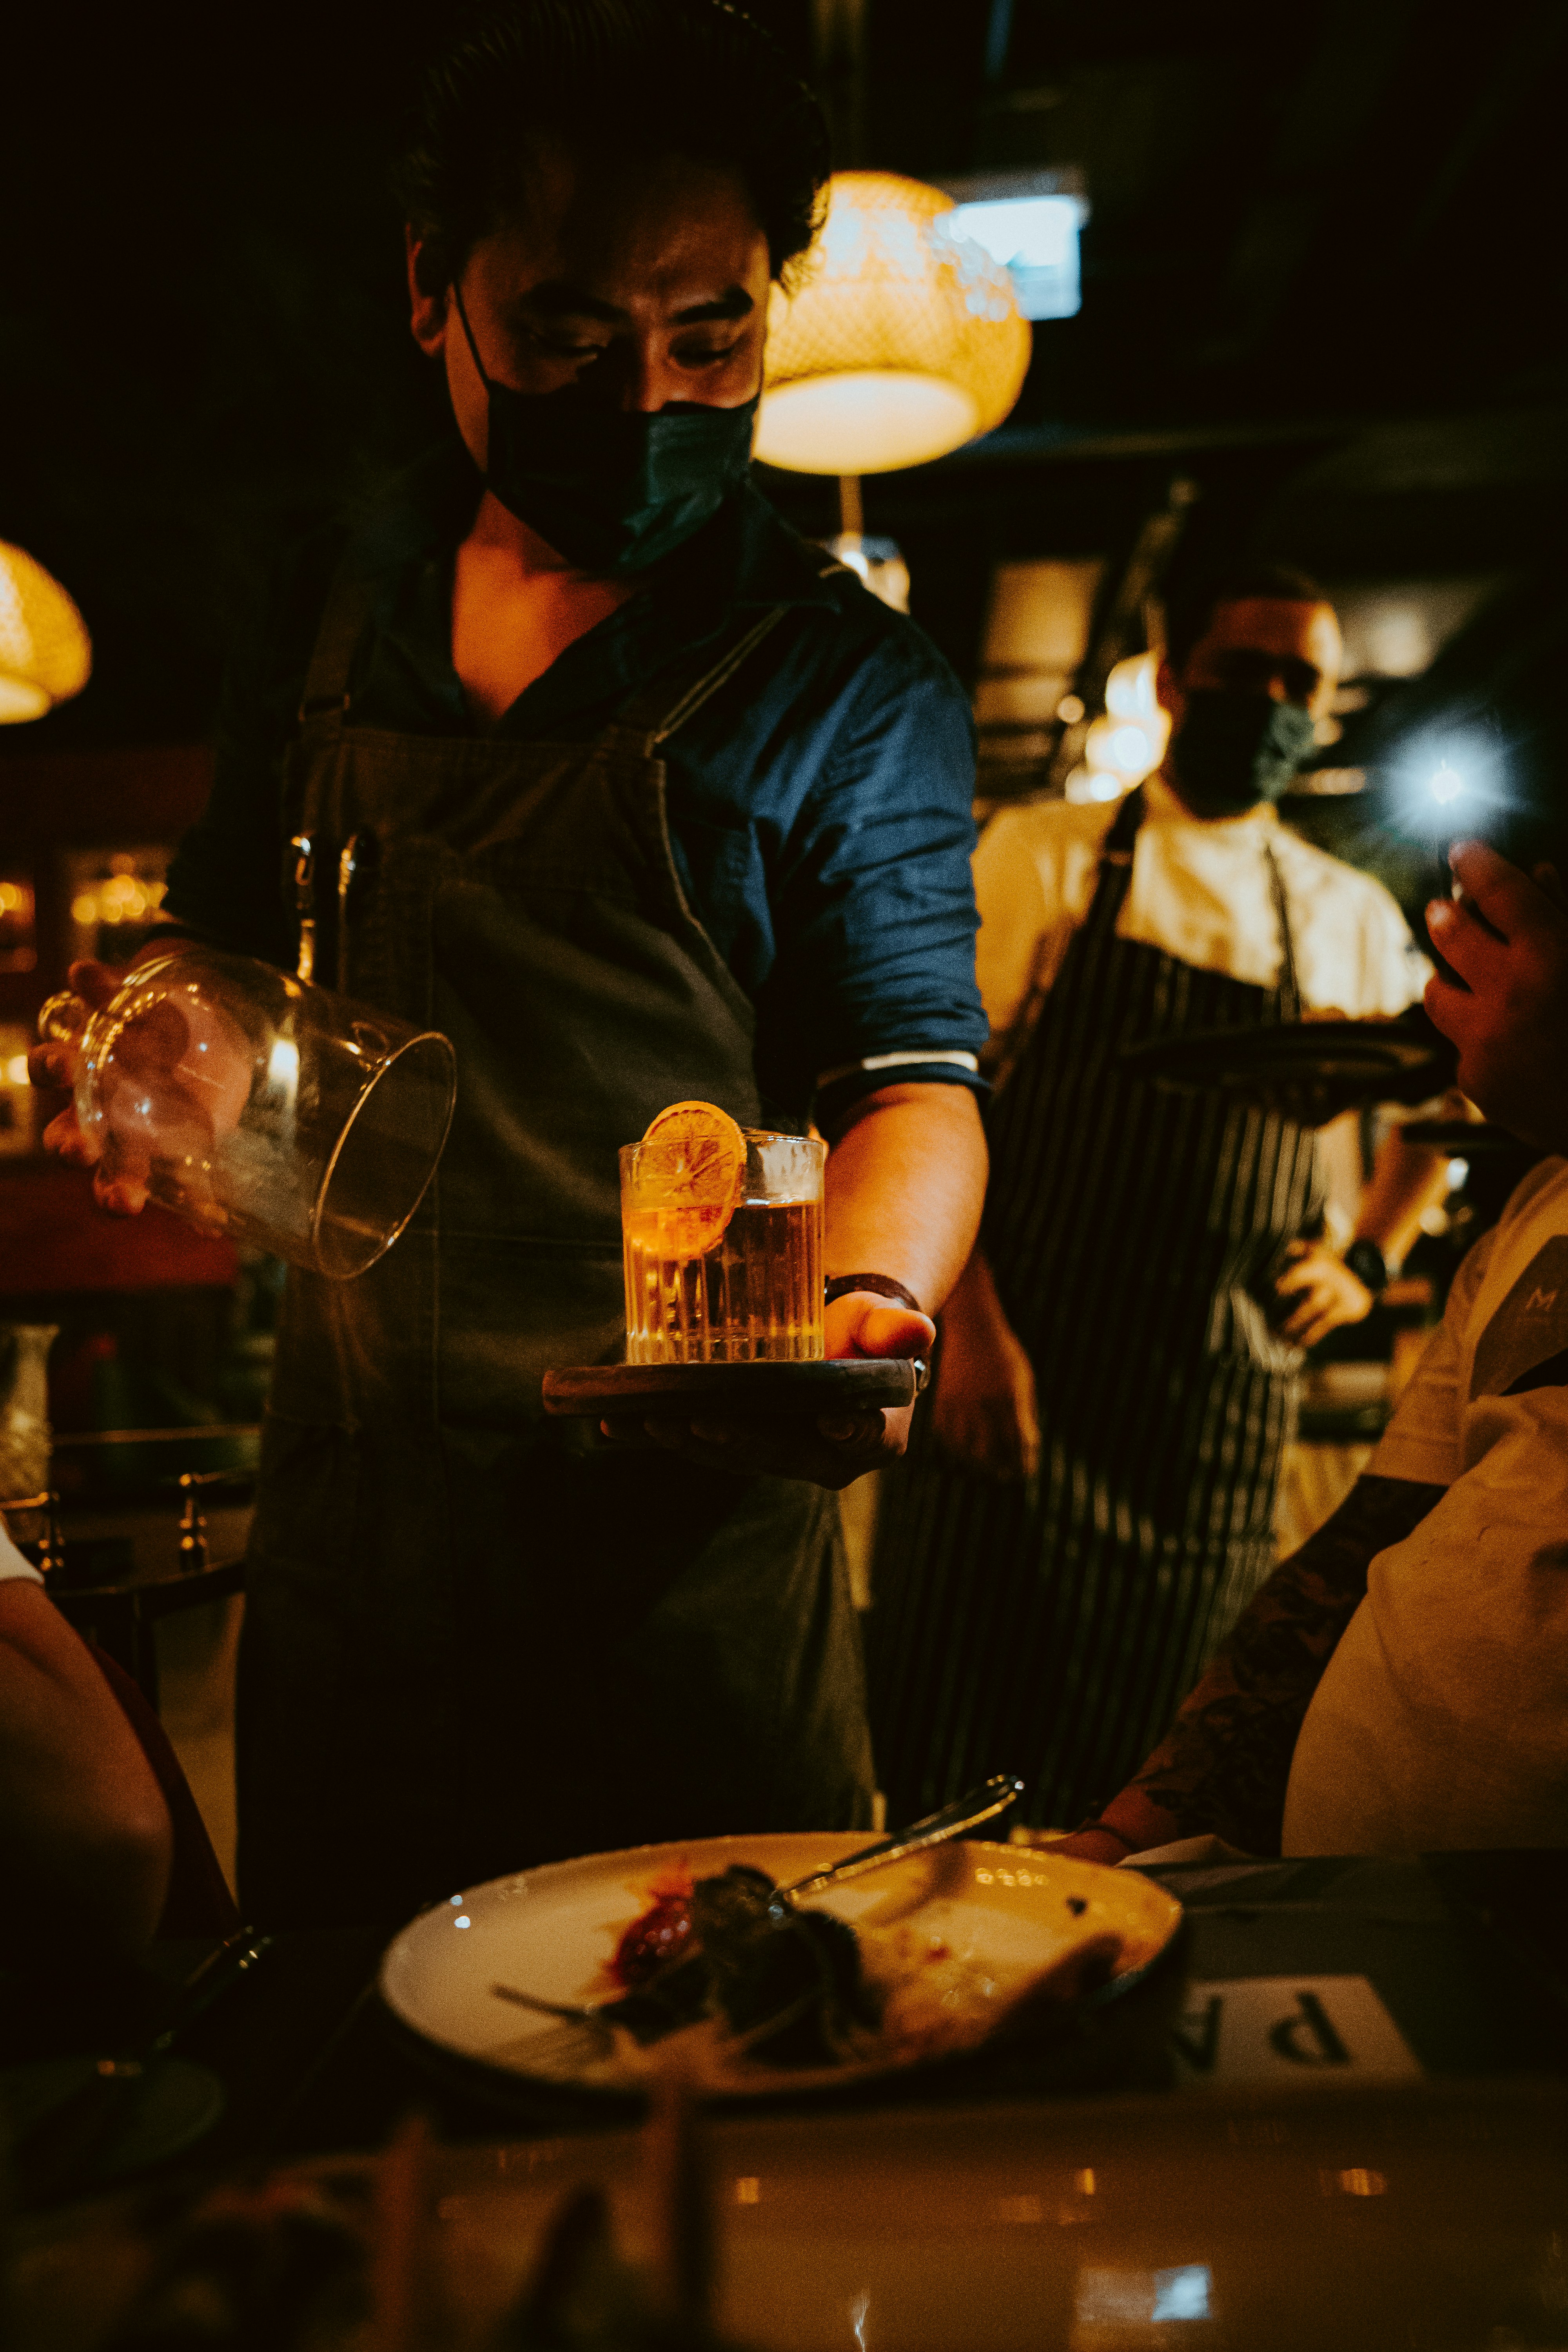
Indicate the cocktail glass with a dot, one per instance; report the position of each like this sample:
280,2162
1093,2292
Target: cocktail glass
737,1282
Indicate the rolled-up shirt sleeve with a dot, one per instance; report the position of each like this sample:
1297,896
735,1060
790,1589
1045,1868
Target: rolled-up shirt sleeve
873,898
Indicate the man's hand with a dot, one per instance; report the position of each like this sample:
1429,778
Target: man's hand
1327,1293
175,1086
906,1176
828,1452
122,1195
1507,1014
983,1412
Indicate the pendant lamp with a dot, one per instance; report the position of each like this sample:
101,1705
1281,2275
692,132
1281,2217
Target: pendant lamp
902,342
46,654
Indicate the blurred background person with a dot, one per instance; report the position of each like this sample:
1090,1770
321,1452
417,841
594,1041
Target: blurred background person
1400,1683
1094,1499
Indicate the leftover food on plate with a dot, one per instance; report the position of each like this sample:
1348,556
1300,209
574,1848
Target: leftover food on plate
706,1969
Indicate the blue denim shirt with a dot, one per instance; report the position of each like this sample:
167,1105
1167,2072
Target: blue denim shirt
819,803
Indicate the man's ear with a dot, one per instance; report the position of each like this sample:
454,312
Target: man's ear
427,312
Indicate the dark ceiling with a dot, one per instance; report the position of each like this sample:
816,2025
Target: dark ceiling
1323,276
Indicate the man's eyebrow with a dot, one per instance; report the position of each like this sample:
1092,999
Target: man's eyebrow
559,299
734,303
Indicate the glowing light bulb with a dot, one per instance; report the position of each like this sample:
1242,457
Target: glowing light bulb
1447,784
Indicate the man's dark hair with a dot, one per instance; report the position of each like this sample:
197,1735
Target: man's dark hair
653,78
1188,616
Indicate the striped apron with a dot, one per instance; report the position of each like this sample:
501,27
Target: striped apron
1052,1629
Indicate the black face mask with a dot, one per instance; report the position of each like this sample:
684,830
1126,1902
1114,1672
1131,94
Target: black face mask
1237,748
612,492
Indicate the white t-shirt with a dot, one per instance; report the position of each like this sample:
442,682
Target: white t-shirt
1441,1719
1199,890
12,1562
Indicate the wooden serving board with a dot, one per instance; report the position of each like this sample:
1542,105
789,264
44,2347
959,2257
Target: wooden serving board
768,1391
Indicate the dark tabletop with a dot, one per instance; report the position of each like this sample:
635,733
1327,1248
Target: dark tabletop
1467,1953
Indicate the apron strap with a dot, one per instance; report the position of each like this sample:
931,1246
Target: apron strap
348,608
1289,989
652,717
1103,913
322,706
1116,873
1117,847
691,699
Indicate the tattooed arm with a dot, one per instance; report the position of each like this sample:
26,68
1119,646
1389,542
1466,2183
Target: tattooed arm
1223,1764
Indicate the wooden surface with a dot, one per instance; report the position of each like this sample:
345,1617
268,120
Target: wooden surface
771,1391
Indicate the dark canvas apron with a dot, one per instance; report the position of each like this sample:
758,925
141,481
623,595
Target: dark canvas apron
1133,1236
474,1639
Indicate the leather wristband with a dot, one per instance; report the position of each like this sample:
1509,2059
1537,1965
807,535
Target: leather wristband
883,1284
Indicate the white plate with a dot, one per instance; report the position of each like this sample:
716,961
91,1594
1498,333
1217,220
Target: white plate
552,1931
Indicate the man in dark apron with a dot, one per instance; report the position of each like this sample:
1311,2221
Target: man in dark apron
605,775
1142,1289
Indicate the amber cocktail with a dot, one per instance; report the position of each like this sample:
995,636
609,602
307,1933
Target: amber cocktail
722,1233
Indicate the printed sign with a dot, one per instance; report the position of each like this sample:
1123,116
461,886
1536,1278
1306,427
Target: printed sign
1288,2030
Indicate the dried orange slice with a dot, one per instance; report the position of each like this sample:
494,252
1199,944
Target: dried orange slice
690,1174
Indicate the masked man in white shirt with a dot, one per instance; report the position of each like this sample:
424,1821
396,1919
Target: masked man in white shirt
1400,1683
1094,1501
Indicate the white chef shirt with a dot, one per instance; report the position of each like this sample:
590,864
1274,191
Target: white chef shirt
12,1563
1441,1719
1199,889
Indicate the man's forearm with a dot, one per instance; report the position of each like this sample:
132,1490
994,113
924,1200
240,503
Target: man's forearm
1407,1179
906,1179
1224,1765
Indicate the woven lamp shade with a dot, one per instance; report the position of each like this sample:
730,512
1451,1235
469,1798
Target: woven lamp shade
46,654
902,342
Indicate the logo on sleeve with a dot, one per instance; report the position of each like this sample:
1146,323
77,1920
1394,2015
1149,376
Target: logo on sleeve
1525,1345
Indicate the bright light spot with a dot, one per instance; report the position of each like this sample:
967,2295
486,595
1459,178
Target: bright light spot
858,2311
456,1901
1130,688
1398,642
1359,2182
1084,2182
10,897
1459,1173
1182,2294
748,2190
1447,784
1123,2299
283,1067
16,1070
85,908
462,1920
1093,784
1069,710
1035,240
1127,748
